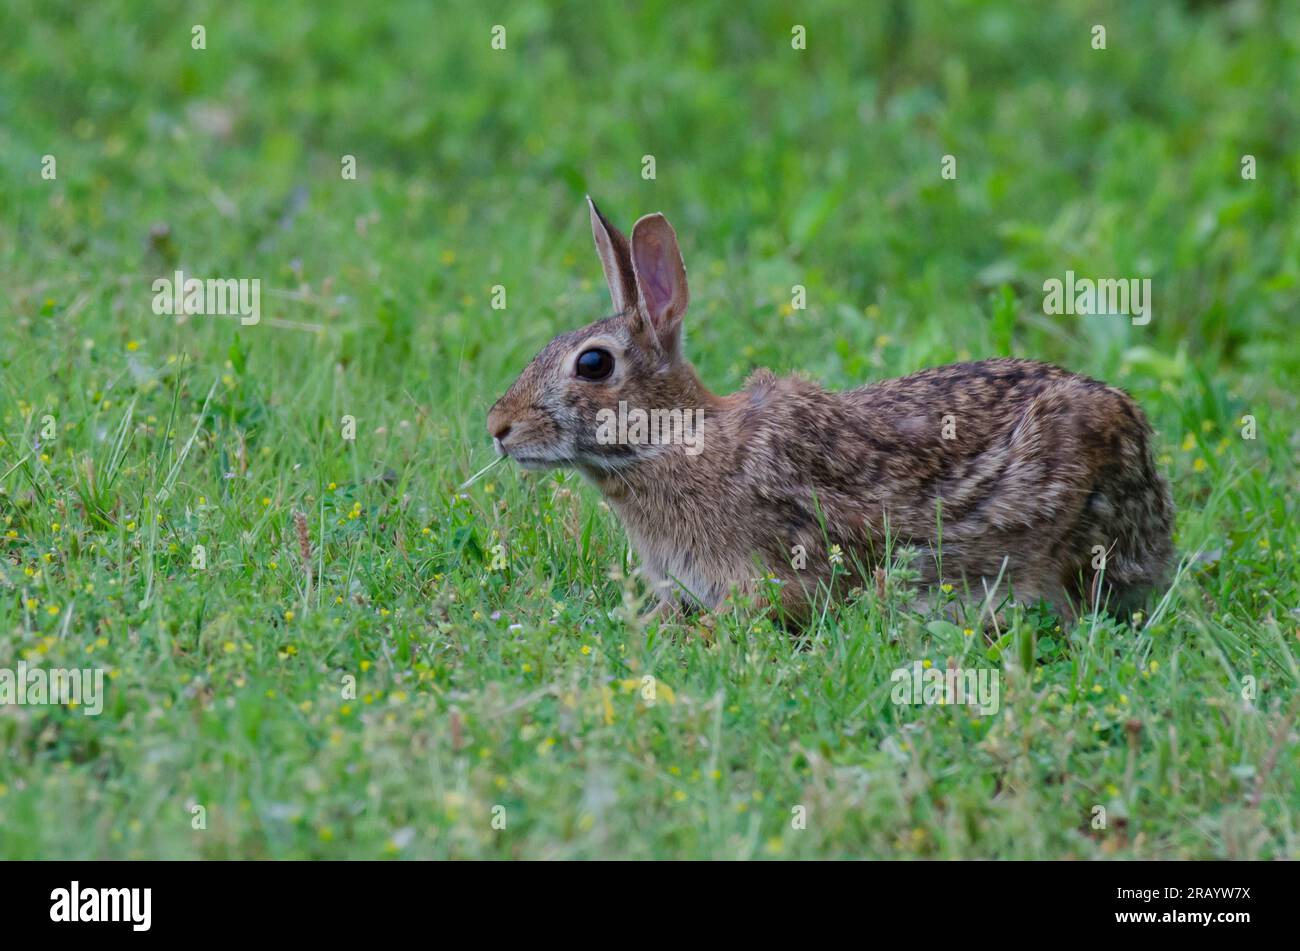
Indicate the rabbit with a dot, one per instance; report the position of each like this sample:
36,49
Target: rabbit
1003,473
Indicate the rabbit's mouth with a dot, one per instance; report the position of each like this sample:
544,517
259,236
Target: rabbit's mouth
535,463
533,455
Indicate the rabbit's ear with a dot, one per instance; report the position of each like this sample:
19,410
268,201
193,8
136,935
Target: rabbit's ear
660,277
615,259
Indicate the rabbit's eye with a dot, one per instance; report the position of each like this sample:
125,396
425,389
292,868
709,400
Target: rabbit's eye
595,364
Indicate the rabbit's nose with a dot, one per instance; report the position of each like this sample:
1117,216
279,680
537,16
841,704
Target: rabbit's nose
498,423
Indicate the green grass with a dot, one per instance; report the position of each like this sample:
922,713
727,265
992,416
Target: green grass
520,686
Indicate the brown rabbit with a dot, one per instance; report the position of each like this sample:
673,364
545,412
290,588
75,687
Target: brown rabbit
968,464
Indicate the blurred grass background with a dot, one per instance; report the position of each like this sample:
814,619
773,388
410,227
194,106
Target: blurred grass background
778,167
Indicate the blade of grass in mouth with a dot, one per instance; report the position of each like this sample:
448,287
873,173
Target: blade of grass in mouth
487,468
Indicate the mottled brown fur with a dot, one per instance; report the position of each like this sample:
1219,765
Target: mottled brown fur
1036,465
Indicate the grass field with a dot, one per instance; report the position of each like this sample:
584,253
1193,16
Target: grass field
502,686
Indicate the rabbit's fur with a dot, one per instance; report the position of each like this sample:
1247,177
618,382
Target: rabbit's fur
969,464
